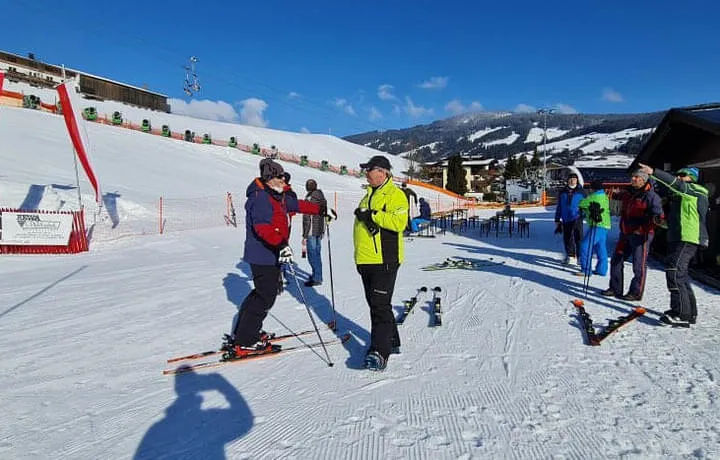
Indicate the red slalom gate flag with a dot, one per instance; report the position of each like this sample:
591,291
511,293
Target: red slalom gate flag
72,119
2,80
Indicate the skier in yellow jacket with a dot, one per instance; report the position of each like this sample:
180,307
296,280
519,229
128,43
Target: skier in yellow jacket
380,219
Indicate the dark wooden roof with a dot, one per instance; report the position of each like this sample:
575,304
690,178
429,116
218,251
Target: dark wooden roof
685,136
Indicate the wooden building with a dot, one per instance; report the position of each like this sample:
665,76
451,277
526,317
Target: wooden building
39,74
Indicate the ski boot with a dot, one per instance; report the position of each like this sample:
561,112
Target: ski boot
375,362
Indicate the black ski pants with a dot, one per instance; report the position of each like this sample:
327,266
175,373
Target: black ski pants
257,304
572,236
379,284
637,247
682,298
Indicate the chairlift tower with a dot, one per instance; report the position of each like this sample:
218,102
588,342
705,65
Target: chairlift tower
192,83
545,112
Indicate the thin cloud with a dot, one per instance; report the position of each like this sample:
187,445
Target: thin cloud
374,114
343,104
524,108
385,93
252,112
611,95
415,111
207,110
456,107
435,83
396,109
294,95
564,108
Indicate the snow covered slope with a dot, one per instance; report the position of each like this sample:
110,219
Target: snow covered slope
84,338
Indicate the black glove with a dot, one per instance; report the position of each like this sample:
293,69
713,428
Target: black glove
365,215
595,212
558,228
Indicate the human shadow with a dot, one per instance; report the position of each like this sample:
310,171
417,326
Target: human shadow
189,431
237,288
33,197
110,202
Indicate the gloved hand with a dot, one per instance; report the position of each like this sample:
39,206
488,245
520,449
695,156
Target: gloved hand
330,215
286,255
364,214
558,228
660,221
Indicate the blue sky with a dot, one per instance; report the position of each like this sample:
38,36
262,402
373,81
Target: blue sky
346,67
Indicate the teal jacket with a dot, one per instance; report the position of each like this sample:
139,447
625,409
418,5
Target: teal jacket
689,205
600,198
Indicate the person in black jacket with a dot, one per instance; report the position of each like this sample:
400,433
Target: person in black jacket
409,193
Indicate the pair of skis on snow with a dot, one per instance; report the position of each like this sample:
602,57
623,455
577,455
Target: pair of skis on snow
409,305
594,336
462,264
188,363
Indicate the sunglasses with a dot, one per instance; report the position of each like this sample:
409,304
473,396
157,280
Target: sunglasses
371,168
682,174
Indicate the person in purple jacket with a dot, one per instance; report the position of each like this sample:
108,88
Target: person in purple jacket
266,248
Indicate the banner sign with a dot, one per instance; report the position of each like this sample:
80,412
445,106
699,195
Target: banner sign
34,229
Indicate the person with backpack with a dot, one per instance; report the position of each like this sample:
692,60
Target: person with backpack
686,233
596,209
409,194
313,231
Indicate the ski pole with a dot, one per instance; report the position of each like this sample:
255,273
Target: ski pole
588,259
302,296
333,323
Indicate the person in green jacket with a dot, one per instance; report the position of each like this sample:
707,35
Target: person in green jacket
686,232
596,209
380,219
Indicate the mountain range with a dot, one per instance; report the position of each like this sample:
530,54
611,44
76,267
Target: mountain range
498,135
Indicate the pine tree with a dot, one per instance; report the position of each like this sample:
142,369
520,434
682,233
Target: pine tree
511,169
522,165
536,162
456,180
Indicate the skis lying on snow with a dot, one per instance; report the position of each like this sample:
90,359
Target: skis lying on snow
208,353
595,338
463,264
409,305
437,312
274,350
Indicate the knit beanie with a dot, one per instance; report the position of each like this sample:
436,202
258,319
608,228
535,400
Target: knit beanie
270,169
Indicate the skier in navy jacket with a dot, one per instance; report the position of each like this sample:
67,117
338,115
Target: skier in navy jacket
567,217
266,248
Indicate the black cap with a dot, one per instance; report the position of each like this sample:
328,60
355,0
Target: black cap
378,161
